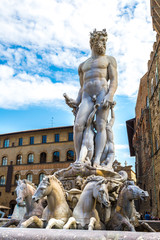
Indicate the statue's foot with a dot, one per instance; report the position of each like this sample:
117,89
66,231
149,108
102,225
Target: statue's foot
77,162
96,164
108,167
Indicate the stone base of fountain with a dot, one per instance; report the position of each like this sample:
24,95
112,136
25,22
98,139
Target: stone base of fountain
59,234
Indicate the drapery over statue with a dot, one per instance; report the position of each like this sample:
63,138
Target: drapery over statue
98,81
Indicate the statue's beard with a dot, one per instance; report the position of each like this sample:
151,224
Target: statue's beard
99,48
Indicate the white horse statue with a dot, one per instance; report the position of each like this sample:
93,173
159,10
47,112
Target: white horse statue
25,190
125,212
85,214
57,212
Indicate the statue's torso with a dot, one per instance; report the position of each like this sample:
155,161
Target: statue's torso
95,75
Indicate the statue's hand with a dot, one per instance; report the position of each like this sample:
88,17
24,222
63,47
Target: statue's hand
105,102
70,102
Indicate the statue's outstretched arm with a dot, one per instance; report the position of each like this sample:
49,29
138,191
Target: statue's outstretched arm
71,102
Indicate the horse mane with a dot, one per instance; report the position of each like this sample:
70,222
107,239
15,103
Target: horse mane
30,183
53,177
121,191
93,178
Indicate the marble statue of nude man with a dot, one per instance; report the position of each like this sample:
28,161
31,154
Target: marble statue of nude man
98,77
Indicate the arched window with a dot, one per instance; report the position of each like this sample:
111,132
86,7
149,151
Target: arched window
156,143
56,157
2,180
152,87
4,161
19,159
30,158
43,157
17,177
41,176
29,177
70,155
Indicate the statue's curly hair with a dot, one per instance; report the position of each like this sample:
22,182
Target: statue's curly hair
96,34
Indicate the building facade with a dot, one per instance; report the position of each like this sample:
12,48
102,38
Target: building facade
145,139
31,155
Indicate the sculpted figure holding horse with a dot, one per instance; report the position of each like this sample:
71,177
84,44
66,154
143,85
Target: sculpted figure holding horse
85,215
57,212
25,190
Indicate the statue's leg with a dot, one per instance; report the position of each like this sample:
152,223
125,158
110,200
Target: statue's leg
11,222
83,153
127,226
92,223
85,109
104,154
71,221
147,227
100,140
108,162
31,220
55,223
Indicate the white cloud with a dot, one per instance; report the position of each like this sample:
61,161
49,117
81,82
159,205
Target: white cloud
121,146
24,89
59,32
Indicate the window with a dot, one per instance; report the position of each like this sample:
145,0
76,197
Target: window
19,159
150,198
147,101
70,136
20,141
56,137
29,177
17,177
156,143
6,143
156,75
44,139
56,157
4,161
152,87
43,157
41,176
2,180
31,140
30,158
70,155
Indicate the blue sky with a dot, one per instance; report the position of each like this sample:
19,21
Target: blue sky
43,42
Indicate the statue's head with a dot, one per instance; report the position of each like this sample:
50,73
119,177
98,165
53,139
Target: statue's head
98,41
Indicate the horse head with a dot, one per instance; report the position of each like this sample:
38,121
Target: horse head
43,189
22,190
134,192
100,192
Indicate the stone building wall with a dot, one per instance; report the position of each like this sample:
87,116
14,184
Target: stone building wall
146,139
12,168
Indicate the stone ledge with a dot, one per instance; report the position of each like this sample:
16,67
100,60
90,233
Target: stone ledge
60,234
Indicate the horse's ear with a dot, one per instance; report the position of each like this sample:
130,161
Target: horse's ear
48,179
